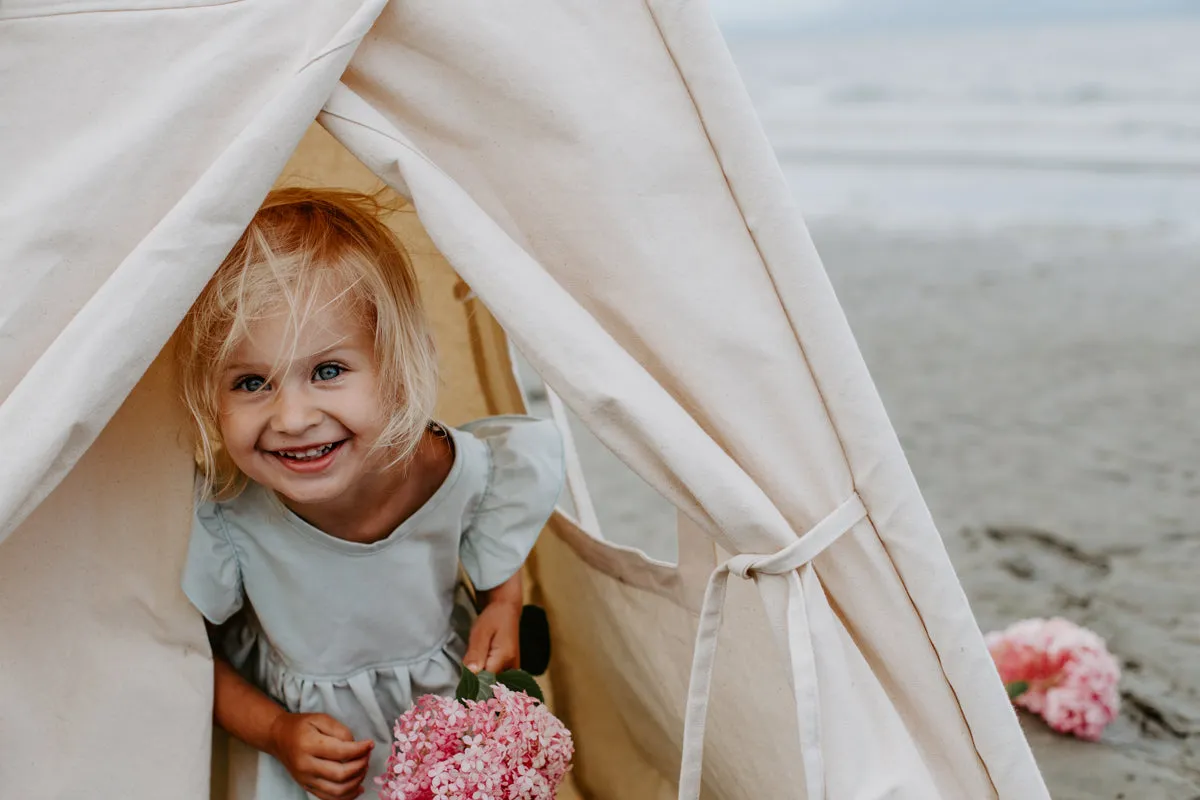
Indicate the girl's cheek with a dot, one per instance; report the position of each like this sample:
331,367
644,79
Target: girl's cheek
234,424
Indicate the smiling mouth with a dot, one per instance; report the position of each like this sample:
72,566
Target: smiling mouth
301,455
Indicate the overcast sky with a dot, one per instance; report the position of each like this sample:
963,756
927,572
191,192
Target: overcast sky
752,13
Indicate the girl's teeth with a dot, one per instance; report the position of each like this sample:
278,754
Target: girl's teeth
301,455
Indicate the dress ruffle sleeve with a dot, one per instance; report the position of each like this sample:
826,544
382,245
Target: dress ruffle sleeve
212,577
525,477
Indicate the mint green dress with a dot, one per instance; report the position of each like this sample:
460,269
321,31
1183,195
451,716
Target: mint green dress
358,631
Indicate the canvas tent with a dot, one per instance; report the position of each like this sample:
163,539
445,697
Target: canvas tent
592,187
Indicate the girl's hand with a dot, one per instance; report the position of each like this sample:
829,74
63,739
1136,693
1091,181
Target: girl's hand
321,754
495,643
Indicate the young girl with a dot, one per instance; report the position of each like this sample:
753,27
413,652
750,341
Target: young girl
334,512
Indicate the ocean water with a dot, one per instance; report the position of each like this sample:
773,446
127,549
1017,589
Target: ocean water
1064,124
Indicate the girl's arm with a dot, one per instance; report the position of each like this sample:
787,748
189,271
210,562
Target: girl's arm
241,709
318,751
496,635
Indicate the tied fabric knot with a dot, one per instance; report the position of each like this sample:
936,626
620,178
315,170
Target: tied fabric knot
743,565
793,564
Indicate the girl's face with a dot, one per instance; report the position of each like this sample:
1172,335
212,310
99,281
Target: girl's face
301,420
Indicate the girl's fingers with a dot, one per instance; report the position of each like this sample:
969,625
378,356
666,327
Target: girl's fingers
340,771
329,749
502,655
328,790
479,647
331,727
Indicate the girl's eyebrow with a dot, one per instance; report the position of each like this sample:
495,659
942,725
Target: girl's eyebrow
326,353
244,368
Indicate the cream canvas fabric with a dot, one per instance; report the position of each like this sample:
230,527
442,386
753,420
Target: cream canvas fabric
594,174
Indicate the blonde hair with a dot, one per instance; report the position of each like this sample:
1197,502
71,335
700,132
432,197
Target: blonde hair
302,245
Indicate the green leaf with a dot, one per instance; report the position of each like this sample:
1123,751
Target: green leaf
475,685
521,681
1016,689
468,686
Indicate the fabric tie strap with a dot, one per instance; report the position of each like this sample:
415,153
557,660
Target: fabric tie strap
792,564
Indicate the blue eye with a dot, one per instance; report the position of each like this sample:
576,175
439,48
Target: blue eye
327,372
250,383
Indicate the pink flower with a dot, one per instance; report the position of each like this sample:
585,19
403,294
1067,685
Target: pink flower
507,748
1060,671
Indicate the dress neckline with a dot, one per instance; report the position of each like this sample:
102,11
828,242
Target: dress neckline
400,532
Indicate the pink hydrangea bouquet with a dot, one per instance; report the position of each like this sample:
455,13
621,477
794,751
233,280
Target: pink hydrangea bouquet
496,741
1060,671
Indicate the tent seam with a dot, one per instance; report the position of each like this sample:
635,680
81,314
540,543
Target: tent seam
816,383
16,17
326,53
389,137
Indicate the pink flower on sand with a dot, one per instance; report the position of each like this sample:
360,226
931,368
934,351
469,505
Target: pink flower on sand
507,748
1060,671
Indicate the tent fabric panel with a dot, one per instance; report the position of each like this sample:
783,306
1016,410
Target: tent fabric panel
105,680
883,476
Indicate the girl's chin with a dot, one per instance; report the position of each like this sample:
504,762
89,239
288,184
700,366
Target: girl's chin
309,495
306,489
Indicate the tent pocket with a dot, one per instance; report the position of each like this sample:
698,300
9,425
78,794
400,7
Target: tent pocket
628,564
683,582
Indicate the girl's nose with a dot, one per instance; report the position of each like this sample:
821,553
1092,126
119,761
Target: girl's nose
294,413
